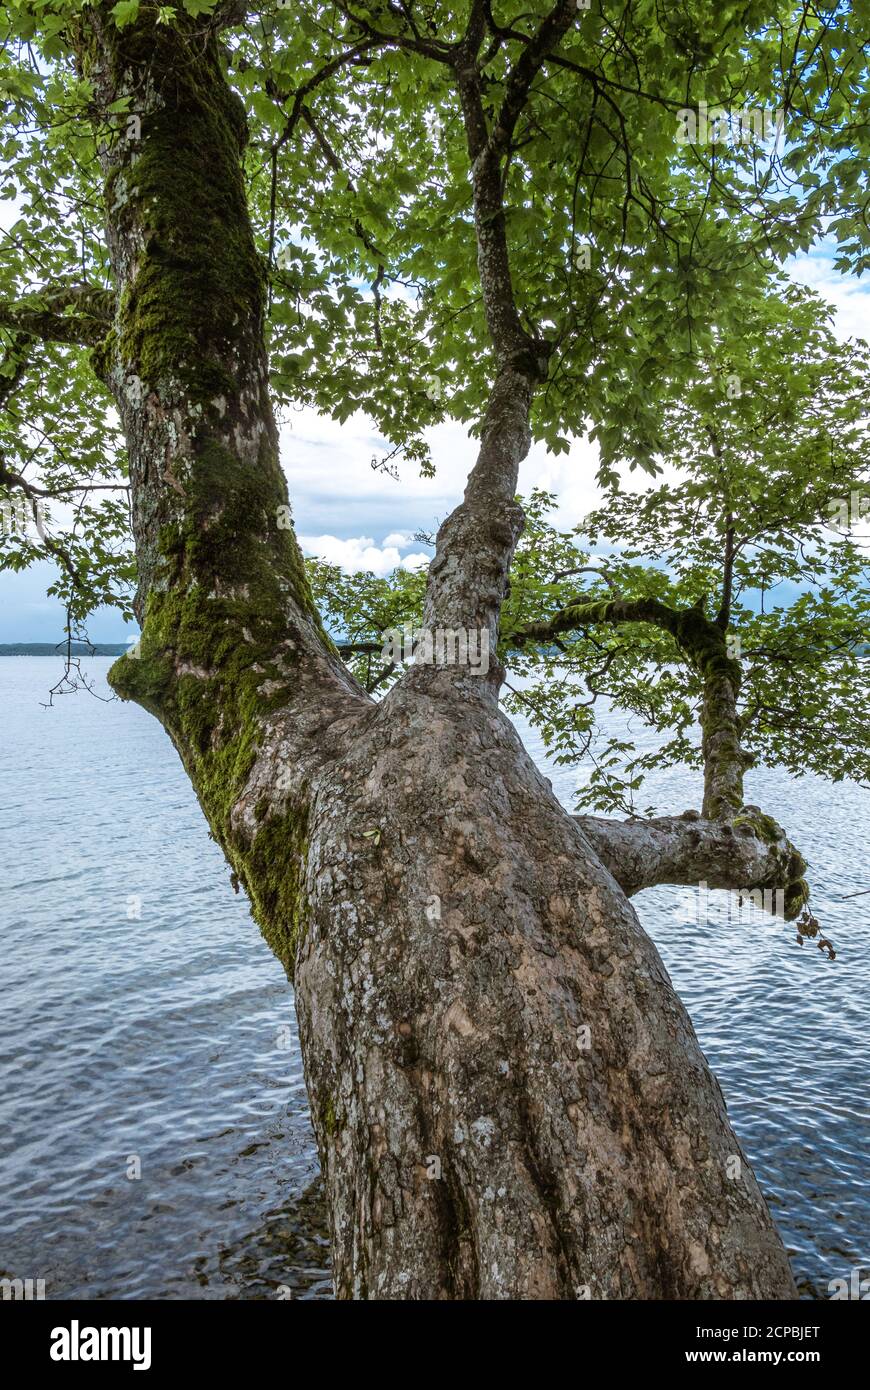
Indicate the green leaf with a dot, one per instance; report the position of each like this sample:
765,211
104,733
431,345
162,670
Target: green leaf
125,12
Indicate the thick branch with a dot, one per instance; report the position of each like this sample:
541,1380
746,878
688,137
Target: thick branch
413,41
468,577
356,648
486,150
590,613
233,658
9,478
723,617
229,14
329,69
510,339
15,366
548,35
747,853
67,314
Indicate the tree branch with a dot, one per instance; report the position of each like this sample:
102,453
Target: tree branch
547,36
15,366
703,644
11,479
441,52
228,14
723,617
363,648
328,70
337,167
511,341
747,853
80,314
468,576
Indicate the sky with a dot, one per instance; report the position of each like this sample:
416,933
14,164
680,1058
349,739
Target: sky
361,519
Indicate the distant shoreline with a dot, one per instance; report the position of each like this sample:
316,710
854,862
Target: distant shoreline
59,649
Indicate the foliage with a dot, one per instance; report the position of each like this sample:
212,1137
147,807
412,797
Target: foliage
780,475
648,264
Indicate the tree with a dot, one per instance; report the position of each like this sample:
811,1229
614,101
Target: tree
770,441
771,445
508,1097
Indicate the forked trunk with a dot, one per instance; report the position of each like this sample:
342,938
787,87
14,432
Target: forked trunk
508,1097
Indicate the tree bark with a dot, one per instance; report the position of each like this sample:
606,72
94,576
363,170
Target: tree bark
747,853
508,1097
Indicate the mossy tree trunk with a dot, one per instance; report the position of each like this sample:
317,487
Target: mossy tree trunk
508,1097
233,659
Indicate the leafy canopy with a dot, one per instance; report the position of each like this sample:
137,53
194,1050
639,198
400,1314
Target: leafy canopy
648,262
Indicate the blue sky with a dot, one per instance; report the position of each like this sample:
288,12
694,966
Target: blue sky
353,516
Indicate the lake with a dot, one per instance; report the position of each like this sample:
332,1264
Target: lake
154,1131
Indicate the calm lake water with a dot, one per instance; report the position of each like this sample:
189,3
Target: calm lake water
144,1026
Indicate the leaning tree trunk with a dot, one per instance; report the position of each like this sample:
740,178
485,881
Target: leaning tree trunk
508,1097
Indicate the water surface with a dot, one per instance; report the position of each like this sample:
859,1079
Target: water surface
142,1017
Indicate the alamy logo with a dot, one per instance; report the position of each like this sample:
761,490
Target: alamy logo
22,1290
705,125
845,512
75,1343
20,517
751,904
440,646
852,1288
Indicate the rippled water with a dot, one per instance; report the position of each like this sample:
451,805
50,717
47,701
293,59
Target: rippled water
142,1017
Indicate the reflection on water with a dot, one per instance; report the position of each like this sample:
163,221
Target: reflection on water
145,1028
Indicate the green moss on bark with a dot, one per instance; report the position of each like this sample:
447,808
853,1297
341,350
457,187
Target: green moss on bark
273,870
796,891
329,1118
797,895
215,715
227,604
217,657
763,827
179,187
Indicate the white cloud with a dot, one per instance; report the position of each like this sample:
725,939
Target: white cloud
335,490
849,295
337,495
360,553
340,503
